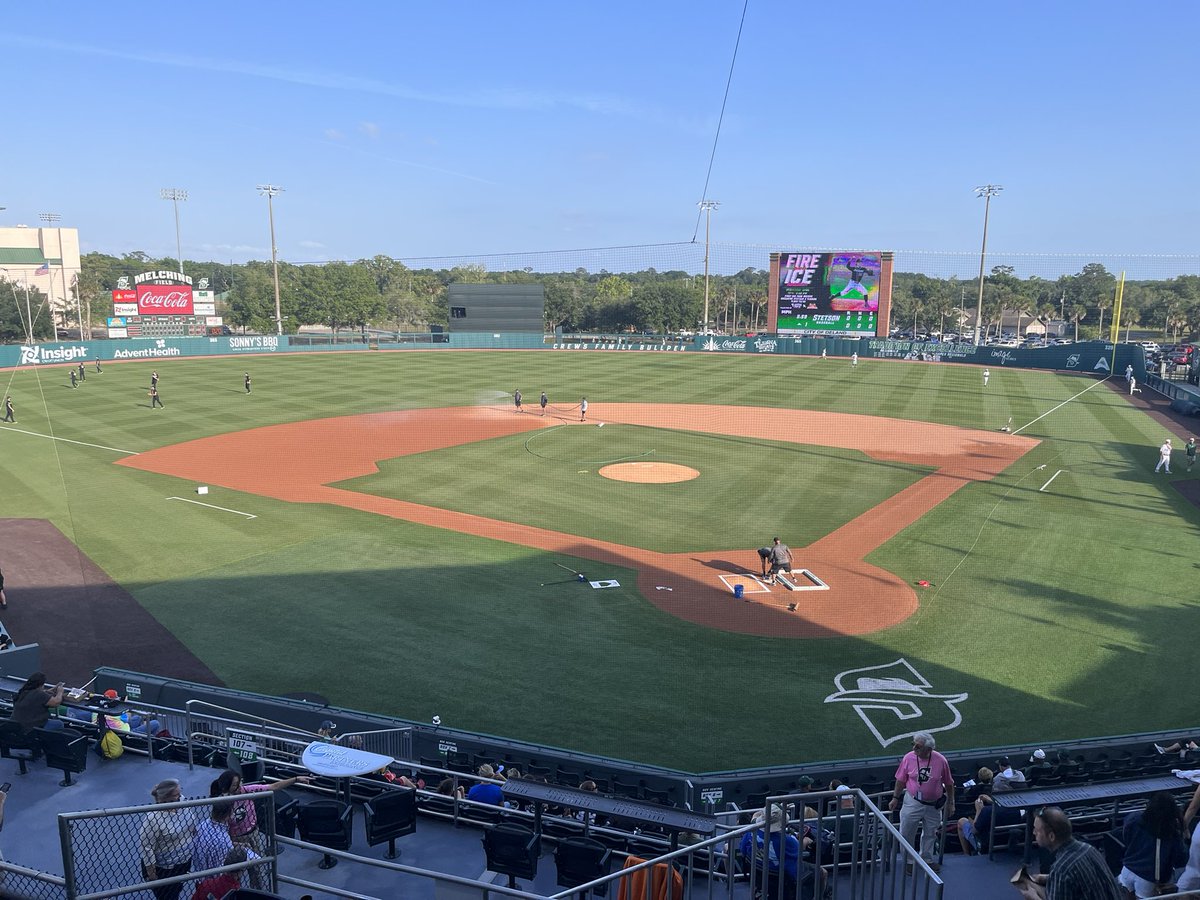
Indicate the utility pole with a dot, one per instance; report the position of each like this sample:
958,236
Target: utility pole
175,195
269,191
708,206
51,219
28,312
987,191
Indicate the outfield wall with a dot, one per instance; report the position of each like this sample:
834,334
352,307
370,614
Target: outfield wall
1088,356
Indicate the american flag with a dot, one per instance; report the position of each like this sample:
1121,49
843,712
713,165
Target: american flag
43,269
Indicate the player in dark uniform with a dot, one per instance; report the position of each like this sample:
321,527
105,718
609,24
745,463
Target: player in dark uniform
98,364
154,379
74,379
82,374
8,410
858,273
155,400
247,382
517,400
543,402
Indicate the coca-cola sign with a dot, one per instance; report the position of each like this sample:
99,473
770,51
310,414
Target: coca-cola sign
164,300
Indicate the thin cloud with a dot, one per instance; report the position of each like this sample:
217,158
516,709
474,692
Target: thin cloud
491,98
370,129
333,134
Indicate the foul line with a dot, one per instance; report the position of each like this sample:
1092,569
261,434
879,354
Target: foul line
210,506
69,441
1064,403
1052,477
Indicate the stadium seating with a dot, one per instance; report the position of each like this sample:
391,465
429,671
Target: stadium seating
66,750
391,815
16,744
513,850
328,823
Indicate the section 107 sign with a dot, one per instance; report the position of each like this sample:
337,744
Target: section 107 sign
164,300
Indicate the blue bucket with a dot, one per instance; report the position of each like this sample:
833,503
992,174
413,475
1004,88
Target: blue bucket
739,590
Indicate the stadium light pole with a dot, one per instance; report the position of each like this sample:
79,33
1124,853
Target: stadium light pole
987,191
269,191
708,206
51,219
175,195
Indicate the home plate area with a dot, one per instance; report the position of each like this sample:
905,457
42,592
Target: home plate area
797,580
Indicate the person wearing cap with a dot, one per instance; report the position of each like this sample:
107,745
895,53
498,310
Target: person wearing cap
1038,766
1164,457
924,790
325,732
754,847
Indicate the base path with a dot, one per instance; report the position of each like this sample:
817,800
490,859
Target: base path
298,461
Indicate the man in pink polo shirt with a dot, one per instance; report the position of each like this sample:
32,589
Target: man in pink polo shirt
926,787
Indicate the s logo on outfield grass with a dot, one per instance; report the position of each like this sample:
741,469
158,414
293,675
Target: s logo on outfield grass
895,702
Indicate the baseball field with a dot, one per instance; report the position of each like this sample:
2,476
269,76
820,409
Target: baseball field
386,530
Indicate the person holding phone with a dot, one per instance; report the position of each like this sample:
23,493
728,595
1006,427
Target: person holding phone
32,703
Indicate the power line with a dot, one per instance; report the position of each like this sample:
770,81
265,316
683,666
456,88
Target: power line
720,118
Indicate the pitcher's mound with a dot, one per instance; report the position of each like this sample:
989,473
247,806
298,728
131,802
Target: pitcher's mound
649,472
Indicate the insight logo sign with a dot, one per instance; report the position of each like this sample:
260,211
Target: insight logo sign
40,353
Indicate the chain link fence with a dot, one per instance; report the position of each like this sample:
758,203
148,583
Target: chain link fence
227,842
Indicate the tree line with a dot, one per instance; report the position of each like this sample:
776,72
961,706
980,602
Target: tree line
382,293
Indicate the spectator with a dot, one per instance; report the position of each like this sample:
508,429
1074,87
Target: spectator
221,885
981,785
325,732
213,843
973,834
485,791
1154,846
243,819
31,705
1190,879
753,846
166,840
1038,767
1007,778
1181,746
845,801
1079,871
447,788
924,783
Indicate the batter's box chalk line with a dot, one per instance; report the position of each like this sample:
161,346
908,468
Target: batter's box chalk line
750,583
807,581
605,583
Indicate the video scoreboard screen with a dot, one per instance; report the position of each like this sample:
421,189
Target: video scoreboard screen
840,293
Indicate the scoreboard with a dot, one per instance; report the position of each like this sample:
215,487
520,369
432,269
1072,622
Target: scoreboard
842,293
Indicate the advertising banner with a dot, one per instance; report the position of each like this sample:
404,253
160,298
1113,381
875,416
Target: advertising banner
204,309
126,309
116,322
164,300
118,332
213,320
124,296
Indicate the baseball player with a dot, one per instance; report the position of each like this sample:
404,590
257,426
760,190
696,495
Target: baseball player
1164,456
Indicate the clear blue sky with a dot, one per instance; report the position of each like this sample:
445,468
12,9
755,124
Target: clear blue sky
443,129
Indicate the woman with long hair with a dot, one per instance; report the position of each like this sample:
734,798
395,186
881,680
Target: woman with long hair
1154,846
31,704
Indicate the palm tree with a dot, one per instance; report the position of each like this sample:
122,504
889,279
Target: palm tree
1078,313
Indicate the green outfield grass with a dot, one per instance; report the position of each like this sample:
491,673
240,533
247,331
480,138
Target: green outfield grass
1061,613
550,479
